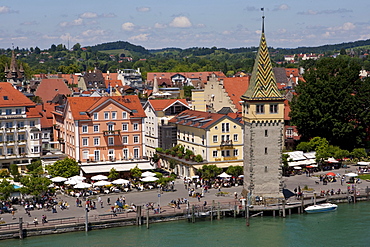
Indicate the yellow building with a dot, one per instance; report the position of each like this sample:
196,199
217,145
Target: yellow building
218,138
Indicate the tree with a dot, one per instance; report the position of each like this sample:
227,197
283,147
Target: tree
359,153
209,171
113,174
333,102
35,186
235,171
135,172
35,168
64,168
5,189
14,169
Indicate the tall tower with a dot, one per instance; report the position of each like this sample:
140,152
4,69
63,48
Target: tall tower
14,74
263,114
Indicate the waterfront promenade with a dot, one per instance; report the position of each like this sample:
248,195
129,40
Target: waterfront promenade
151,196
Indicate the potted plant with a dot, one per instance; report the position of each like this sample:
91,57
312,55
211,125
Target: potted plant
187,157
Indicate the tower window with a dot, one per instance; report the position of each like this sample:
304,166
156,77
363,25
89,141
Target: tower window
273,108
266,133
260,109
265,150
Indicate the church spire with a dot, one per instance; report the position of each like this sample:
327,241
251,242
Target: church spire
263,83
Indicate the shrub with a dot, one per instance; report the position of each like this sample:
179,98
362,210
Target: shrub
198,158
159,150
179,155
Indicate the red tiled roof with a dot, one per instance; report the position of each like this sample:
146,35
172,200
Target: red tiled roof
10,97
87,104
160,104
235,88
110,76
113,83
48,88
292,71
211,117
33,112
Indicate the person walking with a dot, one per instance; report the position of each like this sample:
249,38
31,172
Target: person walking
108,201
35,221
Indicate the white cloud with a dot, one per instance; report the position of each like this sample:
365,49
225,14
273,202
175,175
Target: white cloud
89,15
45,36
77,22
29,23
281,7
98,32
345,27
142,9
6,10
159,25
140,37
128,26
180,21
325,12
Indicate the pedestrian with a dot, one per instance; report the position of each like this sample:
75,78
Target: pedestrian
198,198
54,209
13,212
108,201
205,203
35,221
43,219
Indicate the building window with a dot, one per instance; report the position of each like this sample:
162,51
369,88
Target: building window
225,127
260,109
114,115
124,127
225,153
20,124
9,151
84,128
96,155
111,154
85,155
8,111
96,141
32,123
110,127
136,126
124,139
125,153
215,138
85,141
10,138
110,141
18,111
235,137
289,133
95,114
214,153
236,152
106,115
36,149
136,153
273,108
136,139
96,128
124,115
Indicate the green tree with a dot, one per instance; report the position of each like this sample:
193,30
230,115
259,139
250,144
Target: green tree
209,171
333,102
235,170
64,168
5,189
14,169
113,174
359,153
35,168
135,172
35,186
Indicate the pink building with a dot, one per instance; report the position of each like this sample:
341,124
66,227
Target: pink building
102,132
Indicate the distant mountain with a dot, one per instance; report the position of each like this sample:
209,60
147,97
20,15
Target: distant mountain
119,45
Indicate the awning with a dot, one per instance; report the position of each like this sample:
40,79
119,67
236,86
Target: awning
117,167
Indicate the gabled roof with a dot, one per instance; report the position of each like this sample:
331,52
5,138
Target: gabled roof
235,87
48,88
80,105
11,97
163,104
113,83
262,85
200,119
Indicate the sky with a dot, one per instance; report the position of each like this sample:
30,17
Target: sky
156,24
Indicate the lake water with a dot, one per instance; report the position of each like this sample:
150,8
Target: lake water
348,226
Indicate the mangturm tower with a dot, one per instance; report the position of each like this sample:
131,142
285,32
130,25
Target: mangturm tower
263,114
14,74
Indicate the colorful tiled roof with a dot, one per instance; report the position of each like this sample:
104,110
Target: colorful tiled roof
11,97
262,85
48,88
235,87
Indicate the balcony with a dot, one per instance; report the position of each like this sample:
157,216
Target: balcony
111,132
226,143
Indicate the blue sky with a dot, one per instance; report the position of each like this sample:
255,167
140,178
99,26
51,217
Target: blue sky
163,23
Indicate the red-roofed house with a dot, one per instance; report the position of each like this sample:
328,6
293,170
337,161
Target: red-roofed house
101,132
48,88
157,131
20,128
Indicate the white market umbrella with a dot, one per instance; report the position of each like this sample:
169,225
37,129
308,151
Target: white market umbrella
148,174
351,174
82,186
241,176
120,181
149,179
297,168
71,182
224,175
99,177
196,176
77,178
102,183
58,179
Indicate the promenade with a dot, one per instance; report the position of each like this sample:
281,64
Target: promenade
153,196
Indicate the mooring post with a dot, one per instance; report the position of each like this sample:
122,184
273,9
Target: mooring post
234,211
314,198
20,227
86,219
348,199
367,193
354,194
193,214
218,210
213,205
302,204
138,215
147,218
283,208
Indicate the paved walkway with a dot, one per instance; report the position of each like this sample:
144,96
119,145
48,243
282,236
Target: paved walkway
141,198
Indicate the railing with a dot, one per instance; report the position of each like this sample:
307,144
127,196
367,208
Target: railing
227,143
111,132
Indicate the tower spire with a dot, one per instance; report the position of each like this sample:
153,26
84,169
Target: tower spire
263,20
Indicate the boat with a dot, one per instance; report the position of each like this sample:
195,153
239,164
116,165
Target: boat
320,208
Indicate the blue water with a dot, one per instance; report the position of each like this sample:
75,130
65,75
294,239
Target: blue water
348,226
